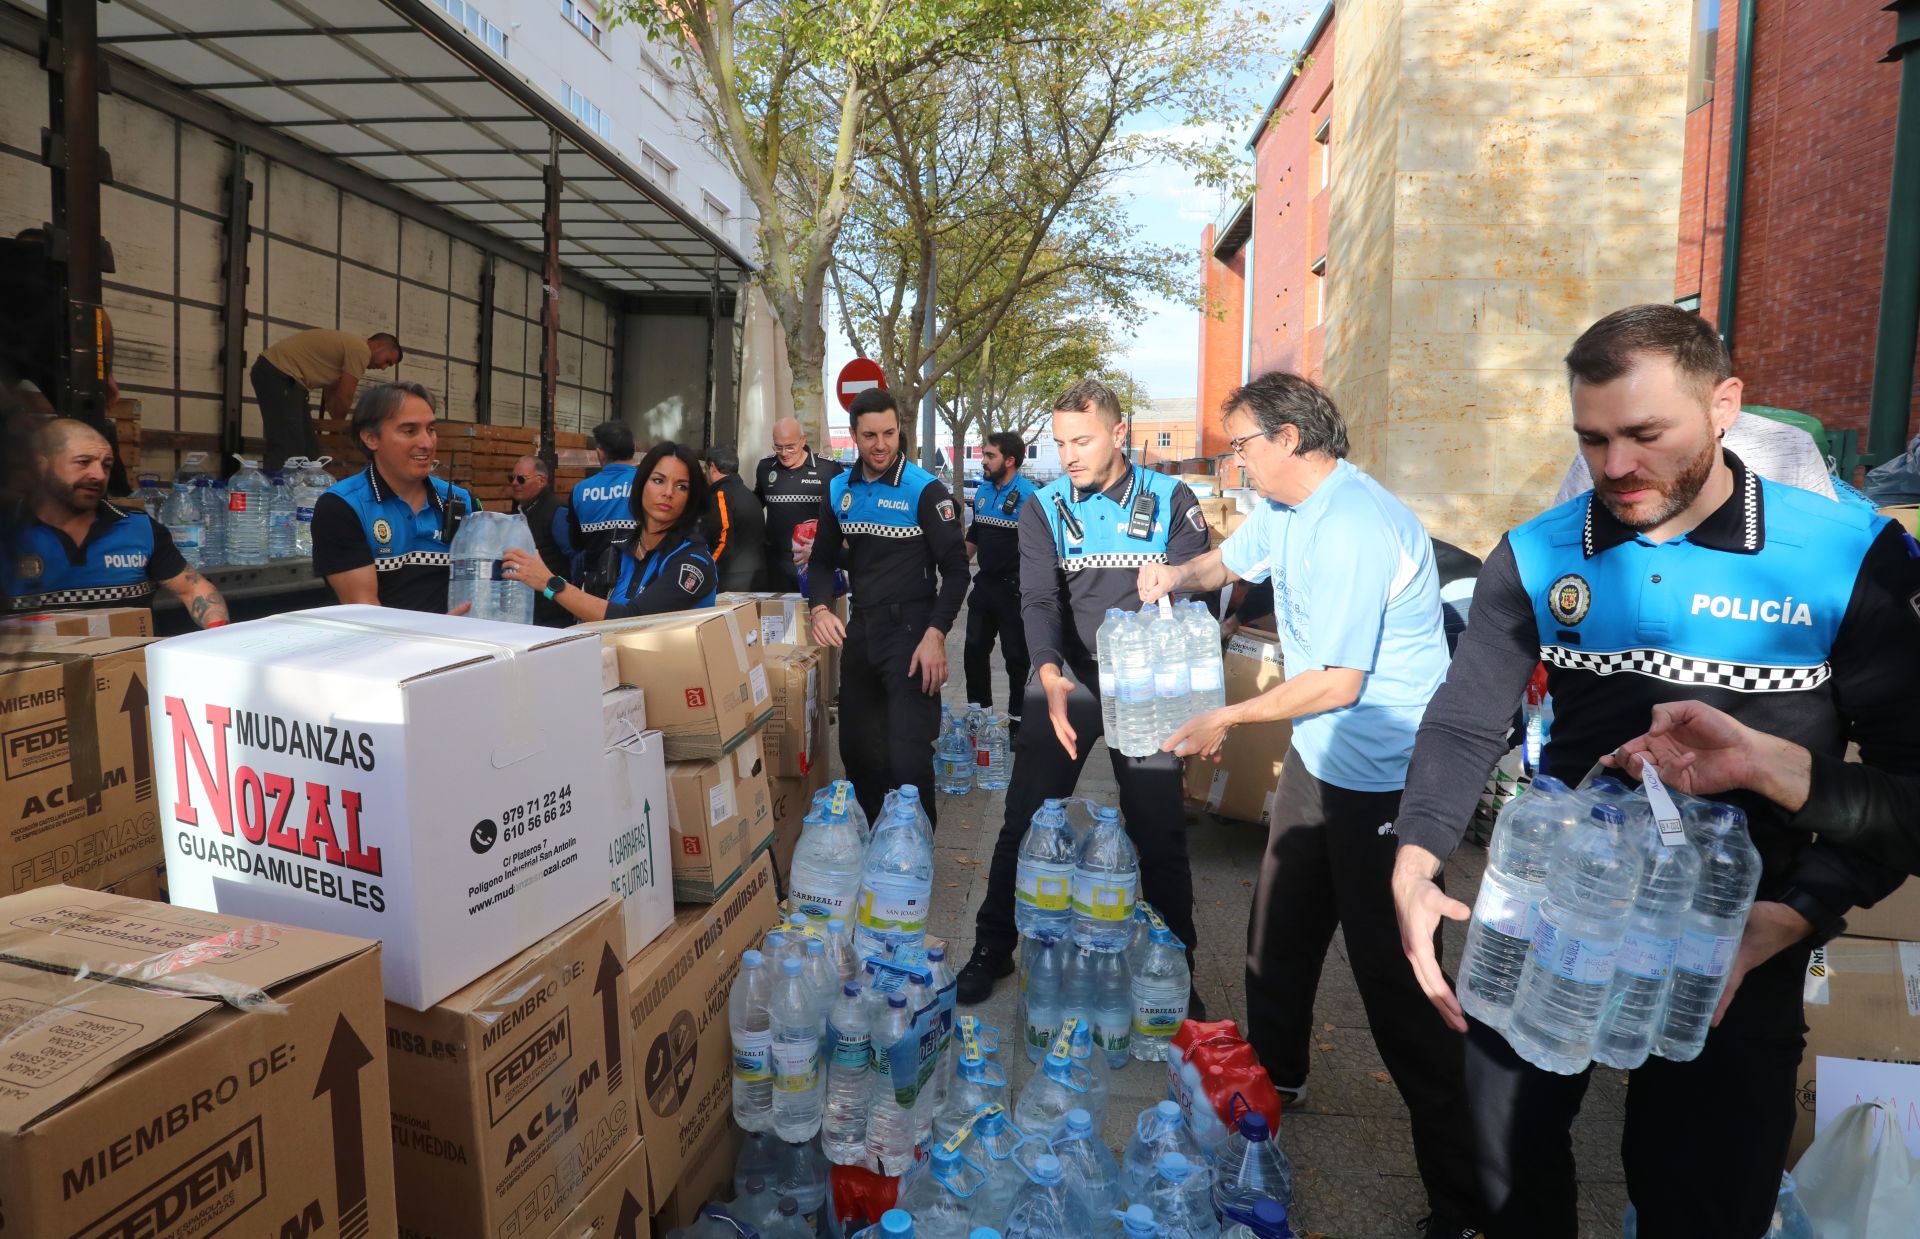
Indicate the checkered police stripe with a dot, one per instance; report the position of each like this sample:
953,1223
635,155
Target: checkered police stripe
81,597
1080,563
414,559
604,526
1002,522
880,531
1679,669
793,498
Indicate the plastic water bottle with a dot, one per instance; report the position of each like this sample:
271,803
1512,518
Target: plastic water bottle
1167,643
896,884
907,796
788,1223
1591,881
186,524
1138,1222
477,566
212,494
1090,1166
796,1056
893,1224
1106,880
953,754
1060,1085
1644,971
1099,1075
757,1205
1162,986
841,791
1112,1013
1181,1199
1269,1222
752,1028
1043,994
1043,875
889,1124
978,1081
843,1125
993,762
1501,932
759,1158
823,982
823,878
942,1198
1248,1168
306,485
280,515
1109,684
249,495
1729,876
1076,983
1160,1129
1206,671
803,1177
840,949
1045,1208
1133,710
995,1146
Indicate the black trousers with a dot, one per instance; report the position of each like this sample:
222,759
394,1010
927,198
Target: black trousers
887,725
1152,804
283,414
782,576
994,608
1705,1141
1330,862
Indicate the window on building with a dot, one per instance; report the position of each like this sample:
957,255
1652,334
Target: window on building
658,168
1033,451
590,115
582,17
481,29
655,80
1163,438
1690,302
1704,53
1319,270
1321,138
714,211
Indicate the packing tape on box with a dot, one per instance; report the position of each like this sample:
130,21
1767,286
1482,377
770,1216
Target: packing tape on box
161,973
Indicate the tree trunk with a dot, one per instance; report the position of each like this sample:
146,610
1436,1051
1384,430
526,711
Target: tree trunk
807,354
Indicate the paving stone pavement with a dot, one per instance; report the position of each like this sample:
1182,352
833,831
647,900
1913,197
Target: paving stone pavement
1349,1141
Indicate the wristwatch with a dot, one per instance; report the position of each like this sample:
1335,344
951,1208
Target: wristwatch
553,586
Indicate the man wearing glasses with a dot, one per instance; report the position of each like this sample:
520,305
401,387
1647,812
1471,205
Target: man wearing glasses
549,517
791,485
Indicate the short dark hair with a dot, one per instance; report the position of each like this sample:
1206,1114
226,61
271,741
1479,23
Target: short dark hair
381,401
1010,445
391,341
872,400
615,439
723,457
1611,347
1090,395
1281,399
696,488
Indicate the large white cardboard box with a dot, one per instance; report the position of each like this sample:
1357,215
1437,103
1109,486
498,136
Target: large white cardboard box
636,843
433,782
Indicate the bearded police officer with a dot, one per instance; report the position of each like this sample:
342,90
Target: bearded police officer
1083,541
603,502
892,526
993,540
791,484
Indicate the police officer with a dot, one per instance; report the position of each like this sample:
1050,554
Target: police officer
550,520
891,525
1683,575
382,536
993,541
603,501
1083,540
790,485
73,549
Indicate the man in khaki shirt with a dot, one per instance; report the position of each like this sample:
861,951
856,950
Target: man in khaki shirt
329,362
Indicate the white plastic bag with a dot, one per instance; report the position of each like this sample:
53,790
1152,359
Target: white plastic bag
1855,1188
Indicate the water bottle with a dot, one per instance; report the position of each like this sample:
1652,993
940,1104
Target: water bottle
823,878
477,567
752,1029
1076,983
841,792
1138,1222
249,494
757,1205
1112,1014
1206,672
1099,1076
796,1055
1160,1129
1591,880
1109,684
942,1198
896,884
1167,644
212,493
1729,876
953,756
1106,879
802,1176
1090,1167
976,718
1269,1222
1181,1200
1501,932
1042,991
889,1124
1043,874
1045,1208
893,1224
1644,971
788,1223
280,515
840,949
759,1158
907,796
843,1125
993,760
995,1145
823,981
1060,1085
186,524
1248,1168
978,1082
1162,986
1133,710
306,485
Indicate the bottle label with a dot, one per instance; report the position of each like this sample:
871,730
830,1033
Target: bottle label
1108,686
751,1052
1580,960
1706,954
187,537
1503,913
817,904
236,501
1205,676
1041,1036
1110,899
796,1064
303,515
1113,1038
1044,887
1136,688
893,905
854,1053
1647,955
1158,1019
980,758
1170,683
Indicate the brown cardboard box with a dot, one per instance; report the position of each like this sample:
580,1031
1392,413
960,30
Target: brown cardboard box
80,813
617,1209
719,814
1859,1001
682,1050
129,1110
148,884
793,744
791,800
1223,516
706,689
708,1176
96,622
1896,917
1241,783
510,1098
1907,514
785,620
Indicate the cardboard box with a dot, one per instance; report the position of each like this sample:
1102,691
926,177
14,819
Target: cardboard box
97,622
682,1050
785,619
510,1098
1240,785
706,690
617,1209
623,711
639,848
1908,515
147,1110
791,800
708,1176
76,762
609,669
1862,1002
721,814
148,884
793,744
1896,917
1223,516
430,781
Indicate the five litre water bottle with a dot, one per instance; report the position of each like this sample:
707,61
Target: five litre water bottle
1160,1129
1133,730
1060,1085
1091,1167
889,1125
1591,880
212,494
752,1029
823,878
1206,674
996,1146
1644,970
1041,991
186,525
249,495
977,1082
1729,876
843,1125
993,761
1106,880
1167,643
1043,875
1162,986
942,1196
280,513
1109,683
1501,932
1112,1014
896,884
478,569
1181,1199
802,1174
1045,1208
1248,1168
1269,1222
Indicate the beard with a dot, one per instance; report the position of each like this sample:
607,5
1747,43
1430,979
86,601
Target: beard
1669,498
75,497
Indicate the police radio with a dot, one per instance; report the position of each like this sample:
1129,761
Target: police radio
1140,519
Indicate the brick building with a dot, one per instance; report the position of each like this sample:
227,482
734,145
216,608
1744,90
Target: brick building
1165,431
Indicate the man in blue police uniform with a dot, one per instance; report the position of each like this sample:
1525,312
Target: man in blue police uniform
1083,540
603,501
74,550
1683,575
993,540
382,536
791,485
892,526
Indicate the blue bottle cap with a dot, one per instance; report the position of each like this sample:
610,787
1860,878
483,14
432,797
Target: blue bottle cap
1253,1127
791,967
1046,1169
1174,1166
897,1223
1608,815
1550,785
851,989
893,1000
816,947
752,959
1079,1122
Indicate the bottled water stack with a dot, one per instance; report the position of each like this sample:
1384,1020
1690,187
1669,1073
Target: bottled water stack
1645,968
1103,657
478,569
1729,876
1501,933
1169,647
1134,690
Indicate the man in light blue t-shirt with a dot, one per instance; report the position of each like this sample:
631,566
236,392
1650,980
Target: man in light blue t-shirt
1357,605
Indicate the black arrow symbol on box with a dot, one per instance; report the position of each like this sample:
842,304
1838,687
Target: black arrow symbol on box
340,1078
606,984
628,1227
134,706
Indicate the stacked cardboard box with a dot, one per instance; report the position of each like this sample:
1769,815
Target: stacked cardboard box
95,622
1240,785
785,620
477,457
1223,516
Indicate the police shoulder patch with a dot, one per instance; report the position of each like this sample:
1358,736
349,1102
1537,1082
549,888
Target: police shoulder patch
1197,519
944,509
1569,598
846,501
29,567
692,577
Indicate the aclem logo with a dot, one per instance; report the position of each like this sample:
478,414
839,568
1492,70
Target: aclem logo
214,1187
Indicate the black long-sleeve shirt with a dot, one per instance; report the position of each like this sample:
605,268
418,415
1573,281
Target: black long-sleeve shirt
1870,811
891,534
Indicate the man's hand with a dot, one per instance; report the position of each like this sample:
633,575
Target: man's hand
1058,688
1156,582
929,661
827,628
1701,750
1771,929
1420,904
1201,735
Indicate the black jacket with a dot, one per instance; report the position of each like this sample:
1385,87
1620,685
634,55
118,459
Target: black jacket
547,516
736,529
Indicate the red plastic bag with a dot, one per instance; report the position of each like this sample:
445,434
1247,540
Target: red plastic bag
860,1196
1216,1078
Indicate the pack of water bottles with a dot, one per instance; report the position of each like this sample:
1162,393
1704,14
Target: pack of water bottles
1158,668
478,567
972,750
1607,922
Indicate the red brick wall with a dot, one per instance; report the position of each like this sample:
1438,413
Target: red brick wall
1290,220
1698,160
1222,328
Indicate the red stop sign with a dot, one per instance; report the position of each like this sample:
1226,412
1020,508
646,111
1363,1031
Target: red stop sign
857,376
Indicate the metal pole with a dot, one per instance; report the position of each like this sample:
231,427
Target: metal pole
233,303
927,456
1893,352
550,305
1736,171
72,150
713,329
